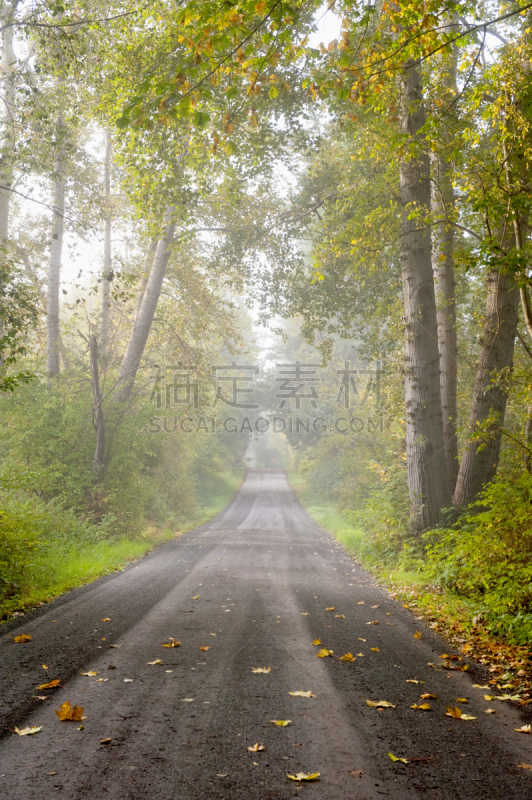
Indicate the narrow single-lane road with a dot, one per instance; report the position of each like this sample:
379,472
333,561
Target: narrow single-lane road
252,589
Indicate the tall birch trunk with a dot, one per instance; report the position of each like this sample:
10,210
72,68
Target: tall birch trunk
428,481
7,119
107,256
148,306
98,418
490,393
53,343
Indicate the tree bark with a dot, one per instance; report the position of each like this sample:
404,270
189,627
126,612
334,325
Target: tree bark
56,251
98,418
107,274
7,119
146,313
481,456
428,480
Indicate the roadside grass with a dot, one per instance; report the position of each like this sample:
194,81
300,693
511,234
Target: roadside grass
65,565
446,613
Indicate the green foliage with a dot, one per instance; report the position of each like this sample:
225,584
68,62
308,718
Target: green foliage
487,556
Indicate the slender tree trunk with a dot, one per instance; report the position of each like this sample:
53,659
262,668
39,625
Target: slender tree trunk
428,481
7,119
145,275
107,273
56,251
146,313
98,418
528,439
443,204
481,456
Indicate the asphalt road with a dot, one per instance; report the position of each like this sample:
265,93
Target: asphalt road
253,587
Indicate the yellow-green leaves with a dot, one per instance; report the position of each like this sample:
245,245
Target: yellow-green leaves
281,723
396,758
302,694
379,704
304,776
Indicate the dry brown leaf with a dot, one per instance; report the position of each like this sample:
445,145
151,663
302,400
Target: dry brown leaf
377,606
205,648
525,766
106,741
66,712
22,637
106,619
356,773
524,729
373,622
157,661
361,603
256,748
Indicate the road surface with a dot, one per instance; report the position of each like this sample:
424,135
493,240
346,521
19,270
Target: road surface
256,586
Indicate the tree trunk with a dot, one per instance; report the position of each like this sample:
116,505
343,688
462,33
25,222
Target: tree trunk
107,274
7,119
146,313
428,481
98,419
56,251
481,457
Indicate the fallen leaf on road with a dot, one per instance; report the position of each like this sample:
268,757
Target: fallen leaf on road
196,597
356,773
128,680
302,694
44,666
261,669
304,776
451,658
501,697
187,699
111,666
524,729
456,713
102,680
428,696
81,728
323,653
462,700
422,707
478,686
173,642
28,731
375,649
489,711
115,645
362,640
89,674
316,641
396,758
331,608
40,696
525,766
347,657
360,655
373,622
256,748
68,712
106,619
222,774
389,613
413,680
375,606
21,638
157,661
361,603
50,685
205,648
417,635
281,723
213,634
379,704
105,741
339,616
304,613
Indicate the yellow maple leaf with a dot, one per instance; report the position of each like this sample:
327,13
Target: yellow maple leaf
281,723
396,758
375,649
347,657
172,643
157,661
89,674
316,641
66,712
428,696
323,653
339,616
261,669
196,597
462,700
304,776
302,694
379,704
205,648
417,635
413,680
106,619
22,637
331,608
256,748
50,685
28,731
422,707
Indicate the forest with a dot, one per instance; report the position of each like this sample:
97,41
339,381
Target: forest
302,227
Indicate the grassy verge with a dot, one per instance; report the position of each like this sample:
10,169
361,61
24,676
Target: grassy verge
67,565
446,613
